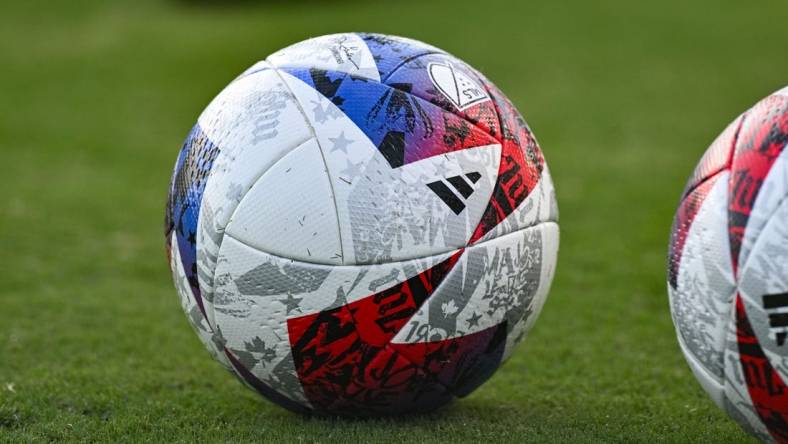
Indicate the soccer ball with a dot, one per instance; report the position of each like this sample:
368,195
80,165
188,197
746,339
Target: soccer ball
361,225
728,270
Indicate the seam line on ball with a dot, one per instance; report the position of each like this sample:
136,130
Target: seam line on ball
726,167
253,182
689,355
408,60
481,79
757,240
372,264
230,219
322,155
455,114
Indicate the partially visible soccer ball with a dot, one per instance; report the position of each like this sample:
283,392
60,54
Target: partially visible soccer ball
728,270
361,225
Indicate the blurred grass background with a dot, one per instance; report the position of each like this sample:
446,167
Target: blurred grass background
96,98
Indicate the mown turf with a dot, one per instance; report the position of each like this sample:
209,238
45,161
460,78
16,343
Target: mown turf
96,97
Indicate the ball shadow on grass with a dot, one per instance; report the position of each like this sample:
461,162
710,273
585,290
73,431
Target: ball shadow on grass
463,418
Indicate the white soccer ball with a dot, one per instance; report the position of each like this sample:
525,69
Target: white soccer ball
728,270
361,225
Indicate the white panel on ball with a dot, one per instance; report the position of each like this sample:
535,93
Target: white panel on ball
337,52
549,258
196,319
771,194
289,211
255,121
705,288
505,279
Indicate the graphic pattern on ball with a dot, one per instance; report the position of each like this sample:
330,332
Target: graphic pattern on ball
361,225
728,270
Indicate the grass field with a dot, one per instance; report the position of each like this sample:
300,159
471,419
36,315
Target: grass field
96,97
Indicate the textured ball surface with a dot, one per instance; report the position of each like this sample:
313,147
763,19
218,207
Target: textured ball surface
361,225
728,270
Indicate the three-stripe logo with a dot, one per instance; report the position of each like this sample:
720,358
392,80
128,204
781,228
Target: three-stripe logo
778,320
460,184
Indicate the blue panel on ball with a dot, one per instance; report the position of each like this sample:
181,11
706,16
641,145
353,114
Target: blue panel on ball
404,127
183,205
390,52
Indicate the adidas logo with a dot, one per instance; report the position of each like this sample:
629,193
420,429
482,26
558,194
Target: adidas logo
460,185
777,320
